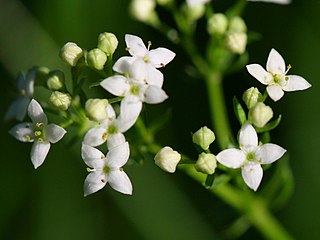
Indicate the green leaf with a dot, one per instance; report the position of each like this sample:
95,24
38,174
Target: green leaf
239,111
270,126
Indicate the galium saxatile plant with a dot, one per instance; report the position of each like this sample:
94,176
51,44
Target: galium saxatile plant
231,169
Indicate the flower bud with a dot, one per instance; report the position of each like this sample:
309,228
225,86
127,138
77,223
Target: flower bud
206,163
71,53
167,159
236,42
96,109
251,97
217,24
55,80
144,11
108,43
96,58
203,137
236,24
60,100
195,12
260,114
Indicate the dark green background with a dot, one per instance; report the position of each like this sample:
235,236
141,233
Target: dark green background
48,203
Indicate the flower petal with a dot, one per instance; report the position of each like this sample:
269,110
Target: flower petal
154,95
54,132
118,156
275,92
120,182
275,63
130,109
252,175
115,140
24,132
269,153
248,136
154,76
18,109
258,72
116,85
296,83
94,182
93,157
160,57
39,152
95,136
135,45
122,65
36,113
231,158
138,71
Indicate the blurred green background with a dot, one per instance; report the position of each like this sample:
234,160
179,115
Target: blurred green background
48,203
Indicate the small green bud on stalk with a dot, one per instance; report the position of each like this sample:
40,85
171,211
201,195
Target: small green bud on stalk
60,100
260,114
71,53
217,24
108,43
251,97
203,137
167,159
206,163
96,109
237,24
96,58
55,80
236,42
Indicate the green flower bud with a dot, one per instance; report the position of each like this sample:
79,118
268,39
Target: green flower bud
217,24
206,163
60,100
96,109
236,42
71,53
203,137
260,114
167,159
55,80
108,43
251,97
237,24
196,12
96,58
144,11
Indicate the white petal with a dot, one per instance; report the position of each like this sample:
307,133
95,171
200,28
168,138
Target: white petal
118,156
115,140
296,83
130,109
154,95
248,136
29,83
24,132
39,152
138,71
122,65
275,63
17,109
160,57
154,76
36,113
95,136
232,158
120,182
252,175
94,182
93,157
275,92
54,132
135,45
258,72
269,152
116,85
110,112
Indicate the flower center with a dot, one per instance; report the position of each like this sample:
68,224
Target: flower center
135,90
39,132
251,156
112,129
106,169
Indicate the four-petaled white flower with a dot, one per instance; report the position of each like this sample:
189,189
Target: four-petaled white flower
25,87
39,132
250,156
106,169
275,77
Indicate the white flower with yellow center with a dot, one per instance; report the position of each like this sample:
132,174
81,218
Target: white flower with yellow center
39,132
276,78
250,156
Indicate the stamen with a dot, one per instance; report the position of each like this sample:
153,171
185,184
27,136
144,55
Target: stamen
127,49
23,92
288,68
91,170
149,45
28,138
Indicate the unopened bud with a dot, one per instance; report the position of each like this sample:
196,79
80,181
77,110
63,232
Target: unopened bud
251,97
144,11
217,24
203,137
108,43
237,24
60,100
167,159
236,42
71,53
96,58
195,12
96,109
206,163
260,114
55,80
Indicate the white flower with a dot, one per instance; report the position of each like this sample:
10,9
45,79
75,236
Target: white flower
275,76
152,59
272,1
38,132
250,156
25,87
194,3
106,169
